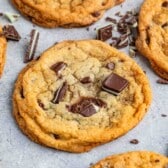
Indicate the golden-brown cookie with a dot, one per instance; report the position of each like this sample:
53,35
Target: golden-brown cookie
137,159
3,45
64,13
80,94
153,34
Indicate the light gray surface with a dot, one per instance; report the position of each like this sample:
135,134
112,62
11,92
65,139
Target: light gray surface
17,151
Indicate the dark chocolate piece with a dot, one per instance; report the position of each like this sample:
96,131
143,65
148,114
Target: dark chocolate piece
87,106
110,66
165,25
22,93
60,93
96,14
134,141
114,84
165,4
86,80
58,67
105,33
164,115
162,81
114,21
30,52
40,104
11,33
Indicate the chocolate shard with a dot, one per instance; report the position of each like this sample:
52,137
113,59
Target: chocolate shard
114,21
165,4
134,141
110,66
86,80
11,33
60,93
162,81
105,33
30,52
114,84
87,106
58,67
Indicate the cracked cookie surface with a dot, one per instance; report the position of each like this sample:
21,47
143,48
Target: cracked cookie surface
59,100
153,35
64,13
3,45
137,159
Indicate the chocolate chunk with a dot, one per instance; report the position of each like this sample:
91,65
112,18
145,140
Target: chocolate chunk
105,33
1,14
56,136
11,33
41,104
58,67
110,66
122,42
165,25
114,84
96,14
162,81
87,106
134,141
86,80
165,4
157,160
60,93
88,110
30,52
114,21
22,93
164,115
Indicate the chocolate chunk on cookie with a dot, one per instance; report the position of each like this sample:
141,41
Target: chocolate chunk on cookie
72,112
153,31
134,159
64,13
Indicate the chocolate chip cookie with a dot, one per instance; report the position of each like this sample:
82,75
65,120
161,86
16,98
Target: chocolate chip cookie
137,159
3,45
153,34
67,13
80,94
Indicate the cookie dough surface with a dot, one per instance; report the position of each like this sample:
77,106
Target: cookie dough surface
51,122
65,13
3,44
139,159
153,38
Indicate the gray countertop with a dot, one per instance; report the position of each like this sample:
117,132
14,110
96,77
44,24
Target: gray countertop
17,151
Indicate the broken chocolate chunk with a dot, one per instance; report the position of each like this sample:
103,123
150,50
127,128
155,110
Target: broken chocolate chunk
105,33
96,14
60,93
22,93
86,80
134,141
58,67
110,66
162,81
114,21
88,110
165,4
114,84
11,33
87,106
30,52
